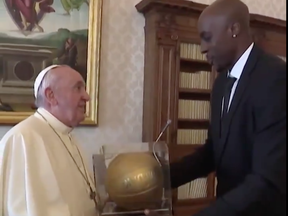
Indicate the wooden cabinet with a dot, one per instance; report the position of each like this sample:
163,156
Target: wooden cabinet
178,82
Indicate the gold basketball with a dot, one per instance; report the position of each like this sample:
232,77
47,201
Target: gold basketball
134,181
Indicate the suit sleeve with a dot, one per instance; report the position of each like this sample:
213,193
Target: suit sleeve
267,180
28,185
197,165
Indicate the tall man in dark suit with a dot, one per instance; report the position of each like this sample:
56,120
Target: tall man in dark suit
246,143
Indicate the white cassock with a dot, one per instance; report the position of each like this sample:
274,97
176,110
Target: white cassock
38,177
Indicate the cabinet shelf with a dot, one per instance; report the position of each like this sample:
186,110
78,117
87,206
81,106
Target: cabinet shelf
195,146
193,61
195,94
184,123
194,65
194,201
195,91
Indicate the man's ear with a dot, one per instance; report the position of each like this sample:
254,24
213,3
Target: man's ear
50,97
235,29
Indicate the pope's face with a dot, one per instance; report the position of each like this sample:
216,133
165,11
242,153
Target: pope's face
71,98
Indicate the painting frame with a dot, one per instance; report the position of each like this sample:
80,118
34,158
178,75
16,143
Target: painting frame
93,71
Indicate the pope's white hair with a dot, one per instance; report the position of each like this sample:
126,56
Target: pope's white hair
48,81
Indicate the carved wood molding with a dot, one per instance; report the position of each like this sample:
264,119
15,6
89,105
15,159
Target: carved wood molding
146,6
167,36
167,20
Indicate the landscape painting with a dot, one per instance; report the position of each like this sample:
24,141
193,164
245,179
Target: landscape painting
37,33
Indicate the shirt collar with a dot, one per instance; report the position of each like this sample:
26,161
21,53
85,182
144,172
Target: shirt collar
53,121
239,66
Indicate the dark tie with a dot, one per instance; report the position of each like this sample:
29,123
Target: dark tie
227,92
226,97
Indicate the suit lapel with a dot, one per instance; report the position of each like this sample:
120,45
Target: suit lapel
239,92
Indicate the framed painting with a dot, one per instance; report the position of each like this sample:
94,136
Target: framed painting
37,33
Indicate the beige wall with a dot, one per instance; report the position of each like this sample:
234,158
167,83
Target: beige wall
121,80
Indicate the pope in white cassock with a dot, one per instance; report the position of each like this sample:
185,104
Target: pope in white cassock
42,170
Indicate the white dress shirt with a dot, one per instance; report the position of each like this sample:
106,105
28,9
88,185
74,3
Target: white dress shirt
237,71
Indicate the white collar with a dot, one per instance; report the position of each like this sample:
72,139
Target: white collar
53,121
239,66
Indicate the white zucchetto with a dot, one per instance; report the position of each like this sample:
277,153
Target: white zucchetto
40,77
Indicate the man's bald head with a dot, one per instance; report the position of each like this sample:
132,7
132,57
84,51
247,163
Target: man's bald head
224,30
231,12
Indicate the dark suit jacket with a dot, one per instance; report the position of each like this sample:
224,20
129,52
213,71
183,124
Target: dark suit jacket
250,156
